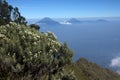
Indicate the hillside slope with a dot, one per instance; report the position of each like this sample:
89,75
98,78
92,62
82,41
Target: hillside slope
85,70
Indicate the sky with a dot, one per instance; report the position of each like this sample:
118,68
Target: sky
67,8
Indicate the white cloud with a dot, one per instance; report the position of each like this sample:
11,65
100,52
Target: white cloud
115,62
65,22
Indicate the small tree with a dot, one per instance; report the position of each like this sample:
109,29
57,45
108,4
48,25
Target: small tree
8,13
35,26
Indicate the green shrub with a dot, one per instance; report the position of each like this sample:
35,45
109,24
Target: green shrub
27,53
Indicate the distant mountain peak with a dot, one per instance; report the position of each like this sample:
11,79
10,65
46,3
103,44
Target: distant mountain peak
48,21
101,20
73,21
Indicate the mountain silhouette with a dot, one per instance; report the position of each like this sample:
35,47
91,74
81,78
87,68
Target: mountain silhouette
48,21
73,21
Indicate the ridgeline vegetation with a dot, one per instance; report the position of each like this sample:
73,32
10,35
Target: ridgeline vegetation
28,54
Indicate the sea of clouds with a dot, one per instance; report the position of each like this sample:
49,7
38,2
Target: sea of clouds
115,63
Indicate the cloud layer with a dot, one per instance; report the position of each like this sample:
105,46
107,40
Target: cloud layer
115,62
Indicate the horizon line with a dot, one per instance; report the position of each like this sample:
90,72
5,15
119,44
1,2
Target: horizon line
73,17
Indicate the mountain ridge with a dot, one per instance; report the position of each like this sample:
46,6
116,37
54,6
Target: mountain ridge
85,70
67,21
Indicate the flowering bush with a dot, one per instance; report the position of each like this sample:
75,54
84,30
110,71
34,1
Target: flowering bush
26,53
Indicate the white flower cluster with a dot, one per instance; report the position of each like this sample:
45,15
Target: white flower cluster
31,38
2,36
54,42
52,34
13,23
32,34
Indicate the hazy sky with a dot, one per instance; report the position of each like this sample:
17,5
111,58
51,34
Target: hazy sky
67,8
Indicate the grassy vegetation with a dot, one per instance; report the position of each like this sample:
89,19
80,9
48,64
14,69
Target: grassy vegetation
84,70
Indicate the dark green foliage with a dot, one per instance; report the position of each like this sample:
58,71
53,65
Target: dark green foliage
8,14
26,53
35,26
